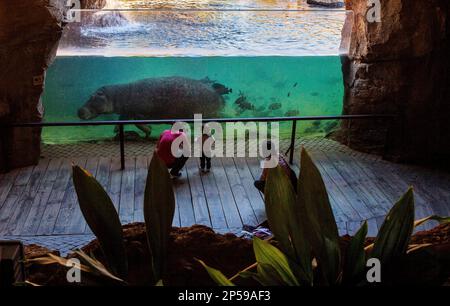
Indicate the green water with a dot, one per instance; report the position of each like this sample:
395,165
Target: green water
305,86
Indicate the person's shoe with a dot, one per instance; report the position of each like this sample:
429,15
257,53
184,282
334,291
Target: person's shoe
175,175
207,170
201,169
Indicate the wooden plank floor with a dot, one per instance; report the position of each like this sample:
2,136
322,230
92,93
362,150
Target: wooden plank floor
41,200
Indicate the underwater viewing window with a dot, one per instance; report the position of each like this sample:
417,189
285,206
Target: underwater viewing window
261,63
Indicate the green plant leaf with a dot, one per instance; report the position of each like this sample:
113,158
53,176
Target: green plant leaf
87,264
102,218
267,275
317,215
395,233
268,255
159,208
284,217
355,260
96,267
216,275
441,220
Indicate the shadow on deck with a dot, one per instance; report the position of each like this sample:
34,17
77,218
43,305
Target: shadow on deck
40,202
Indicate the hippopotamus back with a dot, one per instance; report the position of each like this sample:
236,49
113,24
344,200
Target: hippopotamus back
164,98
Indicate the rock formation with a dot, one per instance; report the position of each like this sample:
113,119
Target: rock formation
29,35
93,4
400,66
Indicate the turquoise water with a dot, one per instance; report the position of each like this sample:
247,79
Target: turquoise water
274,85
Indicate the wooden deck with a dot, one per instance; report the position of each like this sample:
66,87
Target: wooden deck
41,200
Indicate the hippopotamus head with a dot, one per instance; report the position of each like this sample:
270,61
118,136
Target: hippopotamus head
97,104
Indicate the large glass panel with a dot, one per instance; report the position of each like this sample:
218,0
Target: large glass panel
264,62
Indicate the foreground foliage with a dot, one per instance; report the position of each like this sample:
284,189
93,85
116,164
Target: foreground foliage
102,218
308,250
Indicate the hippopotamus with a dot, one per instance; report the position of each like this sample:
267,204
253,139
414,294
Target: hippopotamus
156,98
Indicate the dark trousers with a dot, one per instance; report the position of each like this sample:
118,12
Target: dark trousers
260,185
205,160
178,164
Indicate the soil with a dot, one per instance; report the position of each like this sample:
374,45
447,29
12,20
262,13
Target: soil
437,235
228,253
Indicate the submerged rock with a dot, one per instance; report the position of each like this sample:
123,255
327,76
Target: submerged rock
108,19
327,3
93,4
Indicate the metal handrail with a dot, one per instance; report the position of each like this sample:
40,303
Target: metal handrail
189,120
122,123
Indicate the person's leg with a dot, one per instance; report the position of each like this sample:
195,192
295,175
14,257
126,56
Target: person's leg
293,178
208,163
202,162
259,184
178,165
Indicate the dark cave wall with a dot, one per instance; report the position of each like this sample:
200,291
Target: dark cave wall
29,34
400,66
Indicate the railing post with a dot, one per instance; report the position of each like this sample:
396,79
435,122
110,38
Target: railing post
292,146
122,146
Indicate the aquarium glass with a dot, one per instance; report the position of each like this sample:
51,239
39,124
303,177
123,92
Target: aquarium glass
277,62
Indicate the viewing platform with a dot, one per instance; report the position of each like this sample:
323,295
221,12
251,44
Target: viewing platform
39,204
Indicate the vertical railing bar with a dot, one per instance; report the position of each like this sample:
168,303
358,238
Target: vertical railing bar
122,146
292,146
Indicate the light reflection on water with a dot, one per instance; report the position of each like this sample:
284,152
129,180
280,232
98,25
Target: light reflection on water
213,32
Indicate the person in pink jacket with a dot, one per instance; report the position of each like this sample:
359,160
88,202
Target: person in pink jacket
164,151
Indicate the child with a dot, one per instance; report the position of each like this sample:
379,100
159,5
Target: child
206,141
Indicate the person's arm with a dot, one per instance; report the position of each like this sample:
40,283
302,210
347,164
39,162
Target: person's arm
183,137
159,141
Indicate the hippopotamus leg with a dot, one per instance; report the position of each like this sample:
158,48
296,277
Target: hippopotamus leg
145,128
121,117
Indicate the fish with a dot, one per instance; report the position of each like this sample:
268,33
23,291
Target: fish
275,106
292,113
295,84
314,94
221,89
243,103
289,94
247,105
